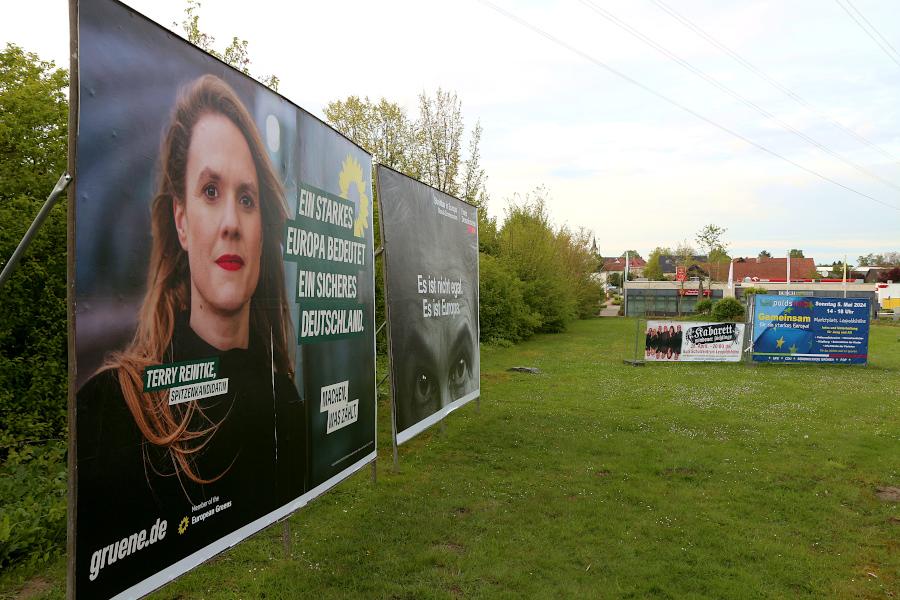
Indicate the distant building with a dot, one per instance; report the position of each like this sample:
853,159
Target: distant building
669,298
867,274
764,269
824,270
617,265
668,262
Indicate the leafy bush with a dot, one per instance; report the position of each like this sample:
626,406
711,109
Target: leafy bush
33,504
33,373
728,309
33,335
531,247
703,307
504,316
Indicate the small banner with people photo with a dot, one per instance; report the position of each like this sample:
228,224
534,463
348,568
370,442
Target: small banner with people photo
224,348
431,293
692,341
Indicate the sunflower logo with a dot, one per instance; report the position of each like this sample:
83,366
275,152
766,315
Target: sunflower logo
182,527
351,174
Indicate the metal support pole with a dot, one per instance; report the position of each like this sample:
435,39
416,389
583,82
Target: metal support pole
58,189
380,327
379,251
394,437
374,472
286,537
637,334
751,320
383,379
844,284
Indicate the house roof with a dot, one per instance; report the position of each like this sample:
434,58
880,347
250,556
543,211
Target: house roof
667,262
766,268
617,263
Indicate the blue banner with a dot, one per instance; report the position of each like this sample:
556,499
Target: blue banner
810,329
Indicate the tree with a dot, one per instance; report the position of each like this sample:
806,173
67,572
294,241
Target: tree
890,275
684,253
33,124
440,129
473,186
33,333
632,254
653,270
33,138
614,279
428,149
888,259
381,128
578,265
765,254
712,239
235,54
684,256
837,270
527,242
795,253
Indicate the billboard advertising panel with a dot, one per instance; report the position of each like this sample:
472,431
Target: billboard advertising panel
223,306
431,293
811,329
692,341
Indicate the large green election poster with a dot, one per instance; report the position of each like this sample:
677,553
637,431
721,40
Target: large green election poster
431,294
223,305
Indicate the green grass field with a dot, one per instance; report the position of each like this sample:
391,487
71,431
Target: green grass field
597,479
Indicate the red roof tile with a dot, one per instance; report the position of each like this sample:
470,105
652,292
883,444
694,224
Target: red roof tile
617,263
765,268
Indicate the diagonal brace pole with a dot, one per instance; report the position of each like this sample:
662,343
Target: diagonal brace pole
58,189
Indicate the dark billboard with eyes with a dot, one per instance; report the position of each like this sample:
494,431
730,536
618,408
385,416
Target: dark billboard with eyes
431,281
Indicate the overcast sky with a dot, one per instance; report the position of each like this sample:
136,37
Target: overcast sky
630,166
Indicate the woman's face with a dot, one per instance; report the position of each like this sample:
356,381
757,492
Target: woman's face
218,221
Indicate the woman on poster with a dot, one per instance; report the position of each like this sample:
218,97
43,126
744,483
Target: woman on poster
215,295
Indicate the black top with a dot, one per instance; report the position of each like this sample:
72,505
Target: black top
125,484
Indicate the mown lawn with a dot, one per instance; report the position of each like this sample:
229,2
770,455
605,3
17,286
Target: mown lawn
597,479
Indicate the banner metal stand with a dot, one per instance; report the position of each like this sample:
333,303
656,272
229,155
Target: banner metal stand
751,321
286,535
634,361
387,329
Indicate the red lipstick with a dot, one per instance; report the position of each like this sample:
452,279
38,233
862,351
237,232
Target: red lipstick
230,262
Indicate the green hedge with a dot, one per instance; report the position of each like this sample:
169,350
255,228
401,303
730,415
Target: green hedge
505,317
33,503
